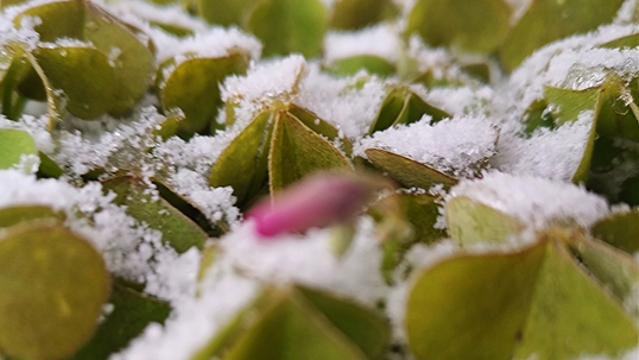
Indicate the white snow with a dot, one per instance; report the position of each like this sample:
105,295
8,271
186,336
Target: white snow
460,146
379,40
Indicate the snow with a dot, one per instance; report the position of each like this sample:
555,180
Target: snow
459,146
537,202
380,40
563,150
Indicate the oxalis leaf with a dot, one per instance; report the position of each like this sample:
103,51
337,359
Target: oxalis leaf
408,172
178,231
14,144
287,26
224,12
548,20
535,302
53,284
402,106
301,323
461,24
276,149
129,62
193,87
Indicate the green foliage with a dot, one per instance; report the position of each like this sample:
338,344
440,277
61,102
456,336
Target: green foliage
45,314
13,145
301,323
537,301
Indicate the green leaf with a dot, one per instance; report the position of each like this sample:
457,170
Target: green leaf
565,105
193,87
629,41
288,26
130,62
48,168
320,126
615,269
357,14
616,116
225,12
472,306
83,74
408,172
21,214
14,144
461,24
371,63
572,316
470,222
53,284
300,323
369,331
243,164
133,62
297,151
402,106
537,301
548,20
178,231
132,312
620,230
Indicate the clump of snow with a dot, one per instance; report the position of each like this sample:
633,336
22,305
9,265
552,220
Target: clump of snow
457,100
309,260
340,101
536,202
380,40
263,85
551,154
170,14
215,203
28,164
460,146
436,60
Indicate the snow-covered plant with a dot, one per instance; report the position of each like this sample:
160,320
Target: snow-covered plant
319,179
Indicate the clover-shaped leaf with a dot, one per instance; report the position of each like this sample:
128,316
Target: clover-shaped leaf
14,144
224,12
408,172
123,67
193,87
301,323
178,231
461,24
546,21
403,106
535,301
280,147
53,284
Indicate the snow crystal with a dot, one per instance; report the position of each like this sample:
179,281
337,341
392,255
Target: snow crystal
380,40
535,201
457,146
339,101
551,154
